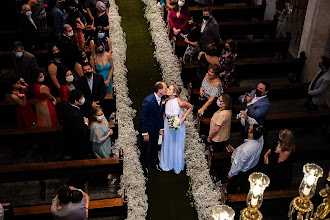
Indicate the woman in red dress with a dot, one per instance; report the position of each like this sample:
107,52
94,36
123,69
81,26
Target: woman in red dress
25,115
46,113
66,86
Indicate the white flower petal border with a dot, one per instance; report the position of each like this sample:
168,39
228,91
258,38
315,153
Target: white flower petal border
132,179
205,194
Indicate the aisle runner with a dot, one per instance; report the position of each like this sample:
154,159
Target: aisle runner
132,180
205,194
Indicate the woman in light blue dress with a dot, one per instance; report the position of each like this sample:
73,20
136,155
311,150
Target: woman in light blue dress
172,152
103,65
100,134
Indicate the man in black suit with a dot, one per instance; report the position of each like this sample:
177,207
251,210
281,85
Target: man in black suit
75,126
23,61
93,87
68,47
27,29
209,29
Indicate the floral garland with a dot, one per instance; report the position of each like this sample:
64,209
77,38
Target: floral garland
205,194
132,179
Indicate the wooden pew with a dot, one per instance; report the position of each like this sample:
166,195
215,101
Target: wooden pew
97,208
232,12
63,169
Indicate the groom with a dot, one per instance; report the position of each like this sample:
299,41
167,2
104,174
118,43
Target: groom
152,124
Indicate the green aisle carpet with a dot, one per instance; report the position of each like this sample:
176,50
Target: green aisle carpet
166,191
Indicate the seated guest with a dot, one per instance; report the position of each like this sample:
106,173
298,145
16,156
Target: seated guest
67,46
209,29
78,25
192,39
81,58
26,117
75,126
56,68
100,36
59,17
220,124
102,19
228,60
92,86
27,28
45,110
210,90
66,204
92,9
24,62
39,15
257,104
279,160
103,65
204,60
178,22
66,86
319,86
100,134
245,158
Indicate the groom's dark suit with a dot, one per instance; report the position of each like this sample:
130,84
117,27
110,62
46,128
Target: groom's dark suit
151,122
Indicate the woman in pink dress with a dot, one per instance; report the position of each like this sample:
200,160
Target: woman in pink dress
25,115
46,113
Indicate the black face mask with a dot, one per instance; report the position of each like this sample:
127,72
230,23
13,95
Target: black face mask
226,49
206,18
320,65
56,55
62,4
88,74
100,51
258,93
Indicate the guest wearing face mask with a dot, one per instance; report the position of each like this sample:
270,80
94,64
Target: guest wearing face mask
209,29
76,21
55,68
28,30
23,61
100,36
75,126
59,17
100,134
103,66
102,19
45,110
67,46
228,60
220,124
81,58
66,86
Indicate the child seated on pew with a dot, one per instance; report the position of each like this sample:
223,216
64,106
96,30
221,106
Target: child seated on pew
26,117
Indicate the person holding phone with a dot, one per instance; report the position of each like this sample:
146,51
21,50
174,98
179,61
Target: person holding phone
192,40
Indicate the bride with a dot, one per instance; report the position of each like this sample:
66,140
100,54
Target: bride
172,151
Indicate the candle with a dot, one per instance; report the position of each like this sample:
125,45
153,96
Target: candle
306,190
254,200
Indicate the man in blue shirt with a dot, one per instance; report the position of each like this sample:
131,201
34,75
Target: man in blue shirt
244,158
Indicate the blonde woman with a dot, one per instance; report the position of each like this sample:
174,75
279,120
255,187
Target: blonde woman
279,160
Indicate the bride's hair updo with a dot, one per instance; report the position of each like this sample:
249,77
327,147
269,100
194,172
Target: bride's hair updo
177,90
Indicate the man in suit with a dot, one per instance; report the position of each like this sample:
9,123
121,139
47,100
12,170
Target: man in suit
152,124
93,88
67,46
75,126
318,88
23,61
209,29
257,105
27,28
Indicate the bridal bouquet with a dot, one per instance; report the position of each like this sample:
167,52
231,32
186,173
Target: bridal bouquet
174,122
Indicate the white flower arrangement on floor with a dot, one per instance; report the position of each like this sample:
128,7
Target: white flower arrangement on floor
132,179
205,194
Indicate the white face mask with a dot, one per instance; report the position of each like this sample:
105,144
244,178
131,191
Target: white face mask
100,118
101,35
18,54
28,13
220,104
69,78
82,101
41,79
70,34
180,3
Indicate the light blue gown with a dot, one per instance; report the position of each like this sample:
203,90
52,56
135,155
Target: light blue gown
172,152
101,149
104,72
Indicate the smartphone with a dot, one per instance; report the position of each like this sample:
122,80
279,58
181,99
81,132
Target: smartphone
182,35
238,115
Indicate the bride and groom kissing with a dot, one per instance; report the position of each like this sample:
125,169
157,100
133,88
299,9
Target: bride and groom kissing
164,117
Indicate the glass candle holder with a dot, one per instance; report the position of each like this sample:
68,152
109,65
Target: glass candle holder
223,212
312,173
258,183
